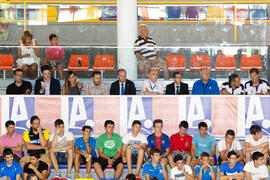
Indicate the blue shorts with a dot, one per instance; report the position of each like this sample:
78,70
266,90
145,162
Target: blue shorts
61,157
56,64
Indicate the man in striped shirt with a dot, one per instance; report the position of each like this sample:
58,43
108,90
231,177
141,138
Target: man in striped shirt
147,53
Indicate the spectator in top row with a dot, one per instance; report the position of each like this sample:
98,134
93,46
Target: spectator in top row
55,56
28,55
147,53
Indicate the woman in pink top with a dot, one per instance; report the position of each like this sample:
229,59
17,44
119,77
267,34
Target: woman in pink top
55,57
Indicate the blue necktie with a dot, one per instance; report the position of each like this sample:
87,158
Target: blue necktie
122,89
177,89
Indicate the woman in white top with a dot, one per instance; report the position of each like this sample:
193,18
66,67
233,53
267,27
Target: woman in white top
28,55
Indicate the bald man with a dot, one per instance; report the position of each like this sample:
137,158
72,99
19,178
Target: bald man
147,53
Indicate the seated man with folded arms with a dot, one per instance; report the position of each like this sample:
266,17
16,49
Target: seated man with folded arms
181,171
10,169
159,140
256,169
205,170
35,166
152,86
231,169
134,146
229,143
36,140
61,148
233,87
255,142
156,167
181,144
11,140
203,142
85,152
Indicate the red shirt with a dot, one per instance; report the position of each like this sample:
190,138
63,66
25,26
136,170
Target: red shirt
158,141
181,143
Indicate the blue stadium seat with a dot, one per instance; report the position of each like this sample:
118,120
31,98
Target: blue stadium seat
174,12
258,14
109,13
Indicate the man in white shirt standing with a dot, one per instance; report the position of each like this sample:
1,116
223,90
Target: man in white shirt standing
229,143
255,142
256,169
134,146
61,144
181,171
152,86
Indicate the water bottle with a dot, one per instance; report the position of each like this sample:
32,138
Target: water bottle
79,62
52,63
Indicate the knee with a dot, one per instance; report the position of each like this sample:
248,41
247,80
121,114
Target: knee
120,166
141,151
96,165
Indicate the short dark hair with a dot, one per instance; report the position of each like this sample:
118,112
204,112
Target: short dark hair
136,122
232,78
254,70
108,122
202,124
154,178
44,68
36,154
153,151
256,155
121,70
17,70
51,36
95,72
254,129
130,177
30,176
86,127
58,122
176,73
34,118
178,157
9,122
7,151
183,124
230,132
231,153
156,121
204,154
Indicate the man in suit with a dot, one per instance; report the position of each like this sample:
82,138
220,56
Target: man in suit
122,86
177,87
47,85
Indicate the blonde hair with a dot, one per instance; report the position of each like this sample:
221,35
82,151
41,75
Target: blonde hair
26,34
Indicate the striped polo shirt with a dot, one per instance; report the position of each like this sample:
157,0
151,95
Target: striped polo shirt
147,48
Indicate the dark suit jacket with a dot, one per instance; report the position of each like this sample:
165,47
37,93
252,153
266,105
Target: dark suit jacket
170,89
55,88
130,88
